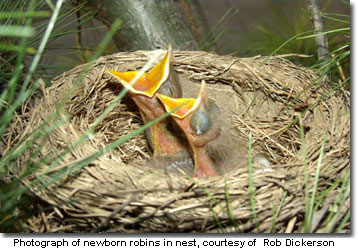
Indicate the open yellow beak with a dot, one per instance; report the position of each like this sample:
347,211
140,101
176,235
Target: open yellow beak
189,105
148,83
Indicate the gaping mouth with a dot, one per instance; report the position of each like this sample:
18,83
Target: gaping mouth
148,83
188,105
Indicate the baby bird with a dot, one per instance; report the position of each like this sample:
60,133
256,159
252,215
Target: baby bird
199,120
161,79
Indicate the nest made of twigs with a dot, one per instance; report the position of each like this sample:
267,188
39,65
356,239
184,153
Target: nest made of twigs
260,97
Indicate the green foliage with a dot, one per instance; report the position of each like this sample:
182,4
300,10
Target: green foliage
279,34
16,87
272,31
18,83
218,31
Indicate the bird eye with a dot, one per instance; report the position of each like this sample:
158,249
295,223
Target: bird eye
171,90
200,122
167,89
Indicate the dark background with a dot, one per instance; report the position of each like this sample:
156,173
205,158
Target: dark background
242,36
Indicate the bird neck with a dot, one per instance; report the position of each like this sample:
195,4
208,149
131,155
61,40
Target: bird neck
204,165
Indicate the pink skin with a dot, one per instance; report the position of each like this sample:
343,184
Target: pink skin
204,164
163,141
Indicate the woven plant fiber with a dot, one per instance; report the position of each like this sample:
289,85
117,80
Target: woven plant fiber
120,191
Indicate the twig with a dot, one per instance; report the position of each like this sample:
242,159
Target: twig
291,224
198,23
265,136
340,69
45,221
293,54
118,210
79,36
264,82
318,24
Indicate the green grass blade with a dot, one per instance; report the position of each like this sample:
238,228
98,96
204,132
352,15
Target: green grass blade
7,116
22,95
324,32
331,16
321,99
42,131
217,31
335,19
322,195
277,212
16,31
11,196
228,204
20,14
210,197
335,14
23,48
16,48
343,222
304,158
216,217
251,188
42,45
21,149
50,5
60,174
98,52
283,45
308,218
338,203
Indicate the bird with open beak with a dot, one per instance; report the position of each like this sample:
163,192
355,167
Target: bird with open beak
199,120
161,79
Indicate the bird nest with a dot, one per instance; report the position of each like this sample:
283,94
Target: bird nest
98,185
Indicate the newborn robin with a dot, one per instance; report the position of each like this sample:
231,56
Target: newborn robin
161,79
199,120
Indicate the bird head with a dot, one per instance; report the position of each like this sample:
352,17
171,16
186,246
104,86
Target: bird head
197,117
